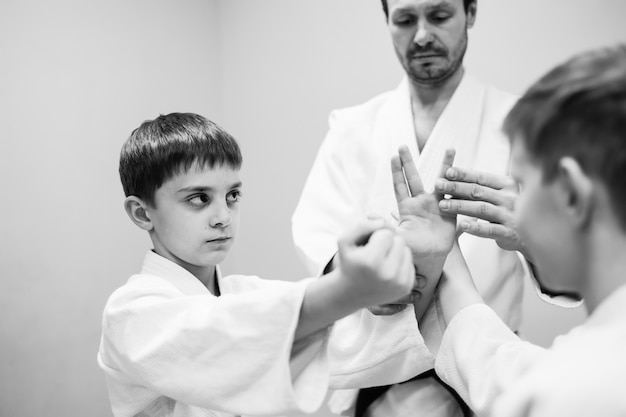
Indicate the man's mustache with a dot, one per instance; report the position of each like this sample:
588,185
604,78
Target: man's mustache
428,50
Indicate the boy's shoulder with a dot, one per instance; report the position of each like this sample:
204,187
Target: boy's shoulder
139,286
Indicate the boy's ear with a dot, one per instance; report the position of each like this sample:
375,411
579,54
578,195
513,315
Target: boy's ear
136,209
578,191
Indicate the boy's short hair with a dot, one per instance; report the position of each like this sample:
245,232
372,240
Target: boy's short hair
169,144
579,110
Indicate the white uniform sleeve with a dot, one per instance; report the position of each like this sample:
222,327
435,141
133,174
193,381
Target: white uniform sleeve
230,353
481,358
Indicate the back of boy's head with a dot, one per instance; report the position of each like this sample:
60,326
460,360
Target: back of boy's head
161,148
578,109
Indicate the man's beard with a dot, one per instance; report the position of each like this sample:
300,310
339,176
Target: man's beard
434,74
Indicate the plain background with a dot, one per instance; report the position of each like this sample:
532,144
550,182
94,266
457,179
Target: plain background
77,77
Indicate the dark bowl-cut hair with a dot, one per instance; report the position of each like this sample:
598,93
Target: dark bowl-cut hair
466,4
578,109
161,148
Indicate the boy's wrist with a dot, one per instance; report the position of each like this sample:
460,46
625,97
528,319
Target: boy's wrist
343,294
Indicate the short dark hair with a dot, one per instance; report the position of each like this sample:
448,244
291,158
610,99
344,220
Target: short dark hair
466,4
578,109
161,148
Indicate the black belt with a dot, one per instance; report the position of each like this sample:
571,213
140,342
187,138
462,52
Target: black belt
367,396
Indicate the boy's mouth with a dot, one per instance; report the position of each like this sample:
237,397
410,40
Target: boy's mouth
219,239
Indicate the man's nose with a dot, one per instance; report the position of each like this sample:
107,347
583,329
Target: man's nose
423,35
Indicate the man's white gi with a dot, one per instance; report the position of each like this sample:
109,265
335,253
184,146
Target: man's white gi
351,178
582,374
171,348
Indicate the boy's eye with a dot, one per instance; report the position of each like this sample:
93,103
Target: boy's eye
233,196
198,200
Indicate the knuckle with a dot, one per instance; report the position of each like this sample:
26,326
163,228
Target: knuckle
476,191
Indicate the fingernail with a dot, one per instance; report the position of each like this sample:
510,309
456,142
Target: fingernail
464,226
451,173
444,205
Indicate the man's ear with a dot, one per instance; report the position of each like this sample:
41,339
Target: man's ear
136,209
578,191
471,14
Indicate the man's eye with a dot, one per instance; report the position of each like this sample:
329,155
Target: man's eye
233,196
440,17
405,21
198,200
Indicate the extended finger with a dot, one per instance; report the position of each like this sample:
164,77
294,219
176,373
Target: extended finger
413,178
488,230
399,182
473,191
446,163
487,179
478,209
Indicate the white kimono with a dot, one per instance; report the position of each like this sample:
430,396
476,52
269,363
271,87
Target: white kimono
582,374
351,177
171,348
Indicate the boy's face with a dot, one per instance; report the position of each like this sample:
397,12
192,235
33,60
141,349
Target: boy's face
544,227
195,217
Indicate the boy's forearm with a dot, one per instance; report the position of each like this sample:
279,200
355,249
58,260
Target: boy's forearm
324,302
456,288
431,272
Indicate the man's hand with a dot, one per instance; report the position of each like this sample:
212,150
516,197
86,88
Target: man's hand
484,196
375,263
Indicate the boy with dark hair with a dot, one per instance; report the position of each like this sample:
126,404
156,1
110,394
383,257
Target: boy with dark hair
179,339
568,136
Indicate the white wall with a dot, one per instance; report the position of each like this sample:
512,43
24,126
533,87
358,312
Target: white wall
76,77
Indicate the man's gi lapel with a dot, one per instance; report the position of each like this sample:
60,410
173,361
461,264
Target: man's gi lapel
458,127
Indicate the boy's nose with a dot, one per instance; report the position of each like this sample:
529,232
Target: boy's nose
221,216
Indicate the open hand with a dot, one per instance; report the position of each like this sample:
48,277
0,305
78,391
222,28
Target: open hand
429,233
484,196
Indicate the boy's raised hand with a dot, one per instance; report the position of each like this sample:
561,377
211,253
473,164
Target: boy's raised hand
376,263
428,231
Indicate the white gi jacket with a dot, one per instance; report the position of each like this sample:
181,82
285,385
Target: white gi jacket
171,348
582,374
351,177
